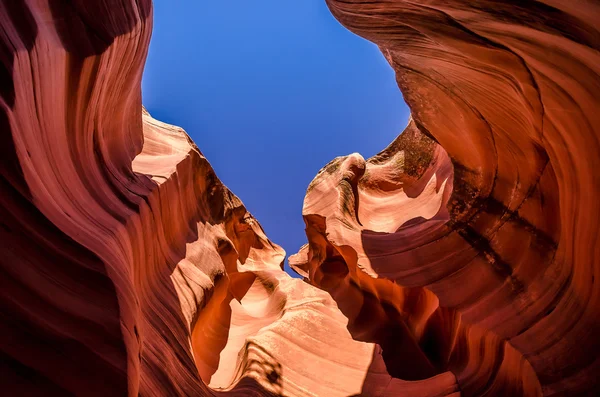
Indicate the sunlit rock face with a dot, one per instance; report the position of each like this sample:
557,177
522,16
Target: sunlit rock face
461,260
475,234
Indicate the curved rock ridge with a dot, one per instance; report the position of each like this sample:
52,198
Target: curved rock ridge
383,208
127,267
475,233
461,260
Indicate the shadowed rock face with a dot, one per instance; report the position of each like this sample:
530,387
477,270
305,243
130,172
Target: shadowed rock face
461,260
481,244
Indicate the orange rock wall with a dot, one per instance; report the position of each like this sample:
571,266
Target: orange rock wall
459,261
508,244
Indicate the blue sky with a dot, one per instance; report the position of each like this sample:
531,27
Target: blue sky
270,91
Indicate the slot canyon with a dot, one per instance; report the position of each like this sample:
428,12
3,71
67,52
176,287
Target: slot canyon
459,261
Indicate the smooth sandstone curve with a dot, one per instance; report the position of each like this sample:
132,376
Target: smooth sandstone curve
487,202
128,268
459,261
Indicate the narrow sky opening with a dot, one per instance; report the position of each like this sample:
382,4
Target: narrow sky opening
270,91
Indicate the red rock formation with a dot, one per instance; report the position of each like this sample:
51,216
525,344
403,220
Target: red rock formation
482,254
460,260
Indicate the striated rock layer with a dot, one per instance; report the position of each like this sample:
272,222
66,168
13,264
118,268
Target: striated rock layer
461,260
475,233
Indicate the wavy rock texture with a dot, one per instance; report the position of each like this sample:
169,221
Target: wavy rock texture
459,261
127,267
475,233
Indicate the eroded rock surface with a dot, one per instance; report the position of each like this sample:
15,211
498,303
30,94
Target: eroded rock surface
480,244
459,261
